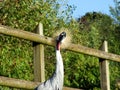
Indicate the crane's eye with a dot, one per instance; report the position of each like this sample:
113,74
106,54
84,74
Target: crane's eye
61,36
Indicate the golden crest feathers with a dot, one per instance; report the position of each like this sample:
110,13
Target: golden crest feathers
66,42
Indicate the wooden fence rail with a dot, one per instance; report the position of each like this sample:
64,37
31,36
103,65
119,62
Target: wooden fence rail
39,66
50,41
23,84
104,69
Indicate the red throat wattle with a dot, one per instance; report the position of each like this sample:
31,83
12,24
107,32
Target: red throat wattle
58,46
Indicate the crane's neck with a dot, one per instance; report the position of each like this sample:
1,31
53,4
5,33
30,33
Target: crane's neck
59,64
59,61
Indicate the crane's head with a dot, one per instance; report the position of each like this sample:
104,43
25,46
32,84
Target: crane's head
61,37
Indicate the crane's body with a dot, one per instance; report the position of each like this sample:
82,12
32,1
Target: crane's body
56,81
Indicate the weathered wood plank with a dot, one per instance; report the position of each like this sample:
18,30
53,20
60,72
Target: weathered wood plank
50,41
39,69
104,69
17,83
68,88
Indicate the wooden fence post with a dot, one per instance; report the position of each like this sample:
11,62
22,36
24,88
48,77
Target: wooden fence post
39,72
104,69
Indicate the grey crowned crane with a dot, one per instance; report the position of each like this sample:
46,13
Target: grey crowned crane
57,79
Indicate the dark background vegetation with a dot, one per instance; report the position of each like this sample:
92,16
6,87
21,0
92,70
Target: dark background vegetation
81,71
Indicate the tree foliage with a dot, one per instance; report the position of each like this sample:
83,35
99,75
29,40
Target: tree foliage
94,29
115,11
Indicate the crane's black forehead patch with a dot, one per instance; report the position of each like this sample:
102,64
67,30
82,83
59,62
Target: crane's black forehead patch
61,36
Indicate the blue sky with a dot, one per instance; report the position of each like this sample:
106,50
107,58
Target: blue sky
84,6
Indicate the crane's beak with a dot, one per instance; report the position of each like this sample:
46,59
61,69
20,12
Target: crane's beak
61,37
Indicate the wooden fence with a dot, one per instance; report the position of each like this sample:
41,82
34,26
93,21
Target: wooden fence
39,41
